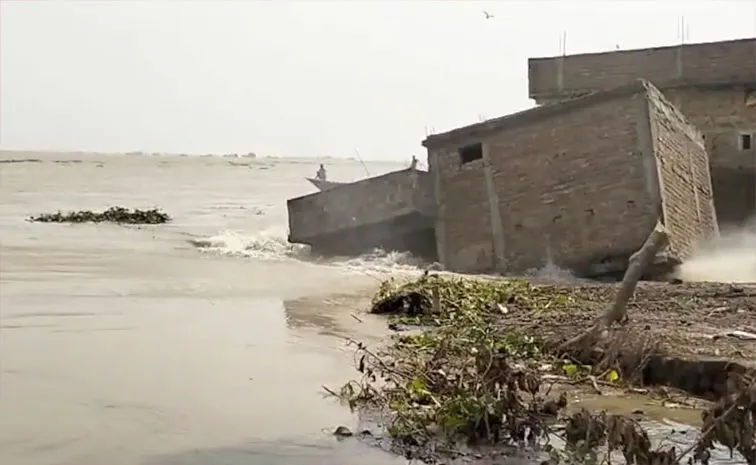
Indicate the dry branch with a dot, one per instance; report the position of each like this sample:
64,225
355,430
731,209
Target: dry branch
637,265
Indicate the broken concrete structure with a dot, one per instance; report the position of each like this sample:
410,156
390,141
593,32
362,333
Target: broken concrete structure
394,211
713,84
580,184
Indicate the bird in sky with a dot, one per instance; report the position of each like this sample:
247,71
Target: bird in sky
488,15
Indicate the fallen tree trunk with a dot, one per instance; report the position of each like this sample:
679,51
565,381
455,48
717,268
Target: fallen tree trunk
617,312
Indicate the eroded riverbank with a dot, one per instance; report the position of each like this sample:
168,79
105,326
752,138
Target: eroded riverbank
493,367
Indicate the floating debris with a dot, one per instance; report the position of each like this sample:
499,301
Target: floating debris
118,215
21,160
343,432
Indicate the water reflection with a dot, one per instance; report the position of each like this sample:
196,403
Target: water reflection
188,373
308,313
342,315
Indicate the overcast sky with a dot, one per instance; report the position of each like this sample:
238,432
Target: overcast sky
299,78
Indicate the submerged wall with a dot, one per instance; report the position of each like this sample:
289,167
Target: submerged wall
383,211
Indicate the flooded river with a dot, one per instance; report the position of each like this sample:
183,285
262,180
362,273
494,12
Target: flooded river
205,341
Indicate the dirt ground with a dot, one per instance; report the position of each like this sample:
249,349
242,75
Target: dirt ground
689,320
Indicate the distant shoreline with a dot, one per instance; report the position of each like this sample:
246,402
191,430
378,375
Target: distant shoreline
250,156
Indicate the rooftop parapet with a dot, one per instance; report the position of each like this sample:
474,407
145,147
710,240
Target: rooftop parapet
716,64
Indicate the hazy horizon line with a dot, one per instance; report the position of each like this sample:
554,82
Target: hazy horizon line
139,153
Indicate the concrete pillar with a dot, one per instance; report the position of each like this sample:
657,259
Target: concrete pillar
680,65
497,231
645,140
438,195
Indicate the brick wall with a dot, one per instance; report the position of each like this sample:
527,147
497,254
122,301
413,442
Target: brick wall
713,84
734,195
463,224
722,115
683,166
369,201
708,63
573,189
710,109
576,183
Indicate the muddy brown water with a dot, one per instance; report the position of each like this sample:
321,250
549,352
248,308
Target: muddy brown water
205,341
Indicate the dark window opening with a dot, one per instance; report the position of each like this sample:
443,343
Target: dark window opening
470,153
745,142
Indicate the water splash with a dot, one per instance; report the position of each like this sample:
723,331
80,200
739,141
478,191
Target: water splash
380,260
265,245
273,245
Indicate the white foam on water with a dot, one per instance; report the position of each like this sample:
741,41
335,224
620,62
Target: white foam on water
380,261
267,245
730,258
273,245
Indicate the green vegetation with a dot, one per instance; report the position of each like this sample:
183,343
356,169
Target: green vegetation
458,379
119,215
473,374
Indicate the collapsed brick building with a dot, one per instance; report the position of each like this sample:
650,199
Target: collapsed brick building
394,211
580,183
619,140
713,84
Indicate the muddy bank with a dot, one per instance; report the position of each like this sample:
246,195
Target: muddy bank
485,368
696,337
686,319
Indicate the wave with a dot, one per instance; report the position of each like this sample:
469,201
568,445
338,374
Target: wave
379,260
272,245
264,245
